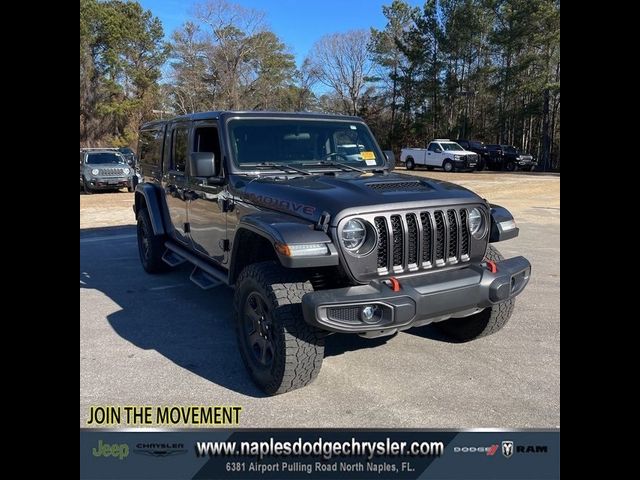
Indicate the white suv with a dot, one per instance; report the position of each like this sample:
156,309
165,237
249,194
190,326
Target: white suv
441,153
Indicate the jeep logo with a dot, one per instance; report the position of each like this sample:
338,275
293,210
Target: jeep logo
120,451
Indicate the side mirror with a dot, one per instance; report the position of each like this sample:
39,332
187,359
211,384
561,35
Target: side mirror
202,164
438,150
391,159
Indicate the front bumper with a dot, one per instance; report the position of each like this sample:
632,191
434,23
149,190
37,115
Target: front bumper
526,162
465,164
423,299
106,183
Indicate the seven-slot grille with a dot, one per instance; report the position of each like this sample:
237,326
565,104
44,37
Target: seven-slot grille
422,240
112,172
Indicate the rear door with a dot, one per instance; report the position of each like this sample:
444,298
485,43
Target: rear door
174,179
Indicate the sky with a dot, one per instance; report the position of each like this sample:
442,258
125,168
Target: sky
298,23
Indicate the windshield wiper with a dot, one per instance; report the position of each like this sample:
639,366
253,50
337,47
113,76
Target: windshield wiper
331,163
282,167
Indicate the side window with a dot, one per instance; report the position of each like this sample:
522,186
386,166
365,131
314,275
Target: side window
180,149
150,146
205,139
433,146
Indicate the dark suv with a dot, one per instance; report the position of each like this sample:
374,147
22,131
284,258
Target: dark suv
477,147
516,159
317,237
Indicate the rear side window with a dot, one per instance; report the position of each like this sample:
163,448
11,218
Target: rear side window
180,149
150,146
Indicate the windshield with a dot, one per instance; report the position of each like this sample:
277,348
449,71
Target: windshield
510,149
101,158
302,142
126,151
451,146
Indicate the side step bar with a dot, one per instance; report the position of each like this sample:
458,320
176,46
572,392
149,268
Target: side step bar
204,275
172,259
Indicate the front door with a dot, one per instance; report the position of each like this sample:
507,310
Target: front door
175,177
207,219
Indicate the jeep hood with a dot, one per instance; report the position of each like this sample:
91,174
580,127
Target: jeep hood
350,193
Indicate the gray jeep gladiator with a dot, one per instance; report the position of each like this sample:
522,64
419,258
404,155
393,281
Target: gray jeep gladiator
317,236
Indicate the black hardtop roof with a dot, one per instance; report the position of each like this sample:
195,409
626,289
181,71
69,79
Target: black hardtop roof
249,113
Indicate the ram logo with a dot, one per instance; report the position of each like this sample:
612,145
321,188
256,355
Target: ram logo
507,448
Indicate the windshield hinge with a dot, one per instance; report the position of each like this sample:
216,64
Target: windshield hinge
323,222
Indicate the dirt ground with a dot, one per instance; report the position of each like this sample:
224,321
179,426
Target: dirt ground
531,197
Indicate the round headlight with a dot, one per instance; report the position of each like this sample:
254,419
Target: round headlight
127,171
95,171
476,223
354,234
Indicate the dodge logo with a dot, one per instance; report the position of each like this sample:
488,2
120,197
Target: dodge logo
507,448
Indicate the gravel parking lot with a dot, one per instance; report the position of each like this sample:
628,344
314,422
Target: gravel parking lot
160,340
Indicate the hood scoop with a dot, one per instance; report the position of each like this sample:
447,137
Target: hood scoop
390,187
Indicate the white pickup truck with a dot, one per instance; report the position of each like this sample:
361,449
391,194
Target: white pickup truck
441,153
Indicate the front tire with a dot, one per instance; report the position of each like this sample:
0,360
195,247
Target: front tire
410,164
150,247
447,166
85,186
481,324
280,350
510,167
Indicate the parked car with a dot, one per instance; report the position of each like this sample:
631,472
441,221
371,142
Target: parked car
516,159
495,156
315,241
129,155
104,169
440,153
476,147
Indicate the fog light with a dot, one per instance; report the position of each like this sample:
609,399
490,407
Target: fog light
369,314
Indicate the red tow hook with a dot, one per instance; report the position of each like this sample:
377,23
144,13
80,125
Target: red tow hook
491,266
393,284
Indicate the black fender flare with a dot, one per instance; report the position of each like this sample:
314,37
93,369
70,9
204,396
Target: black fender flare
151,196
500,218
283,229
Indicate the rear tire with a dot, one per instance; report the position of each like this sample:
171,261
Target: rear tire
280,350
481,324
150,247
448,166
410,164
